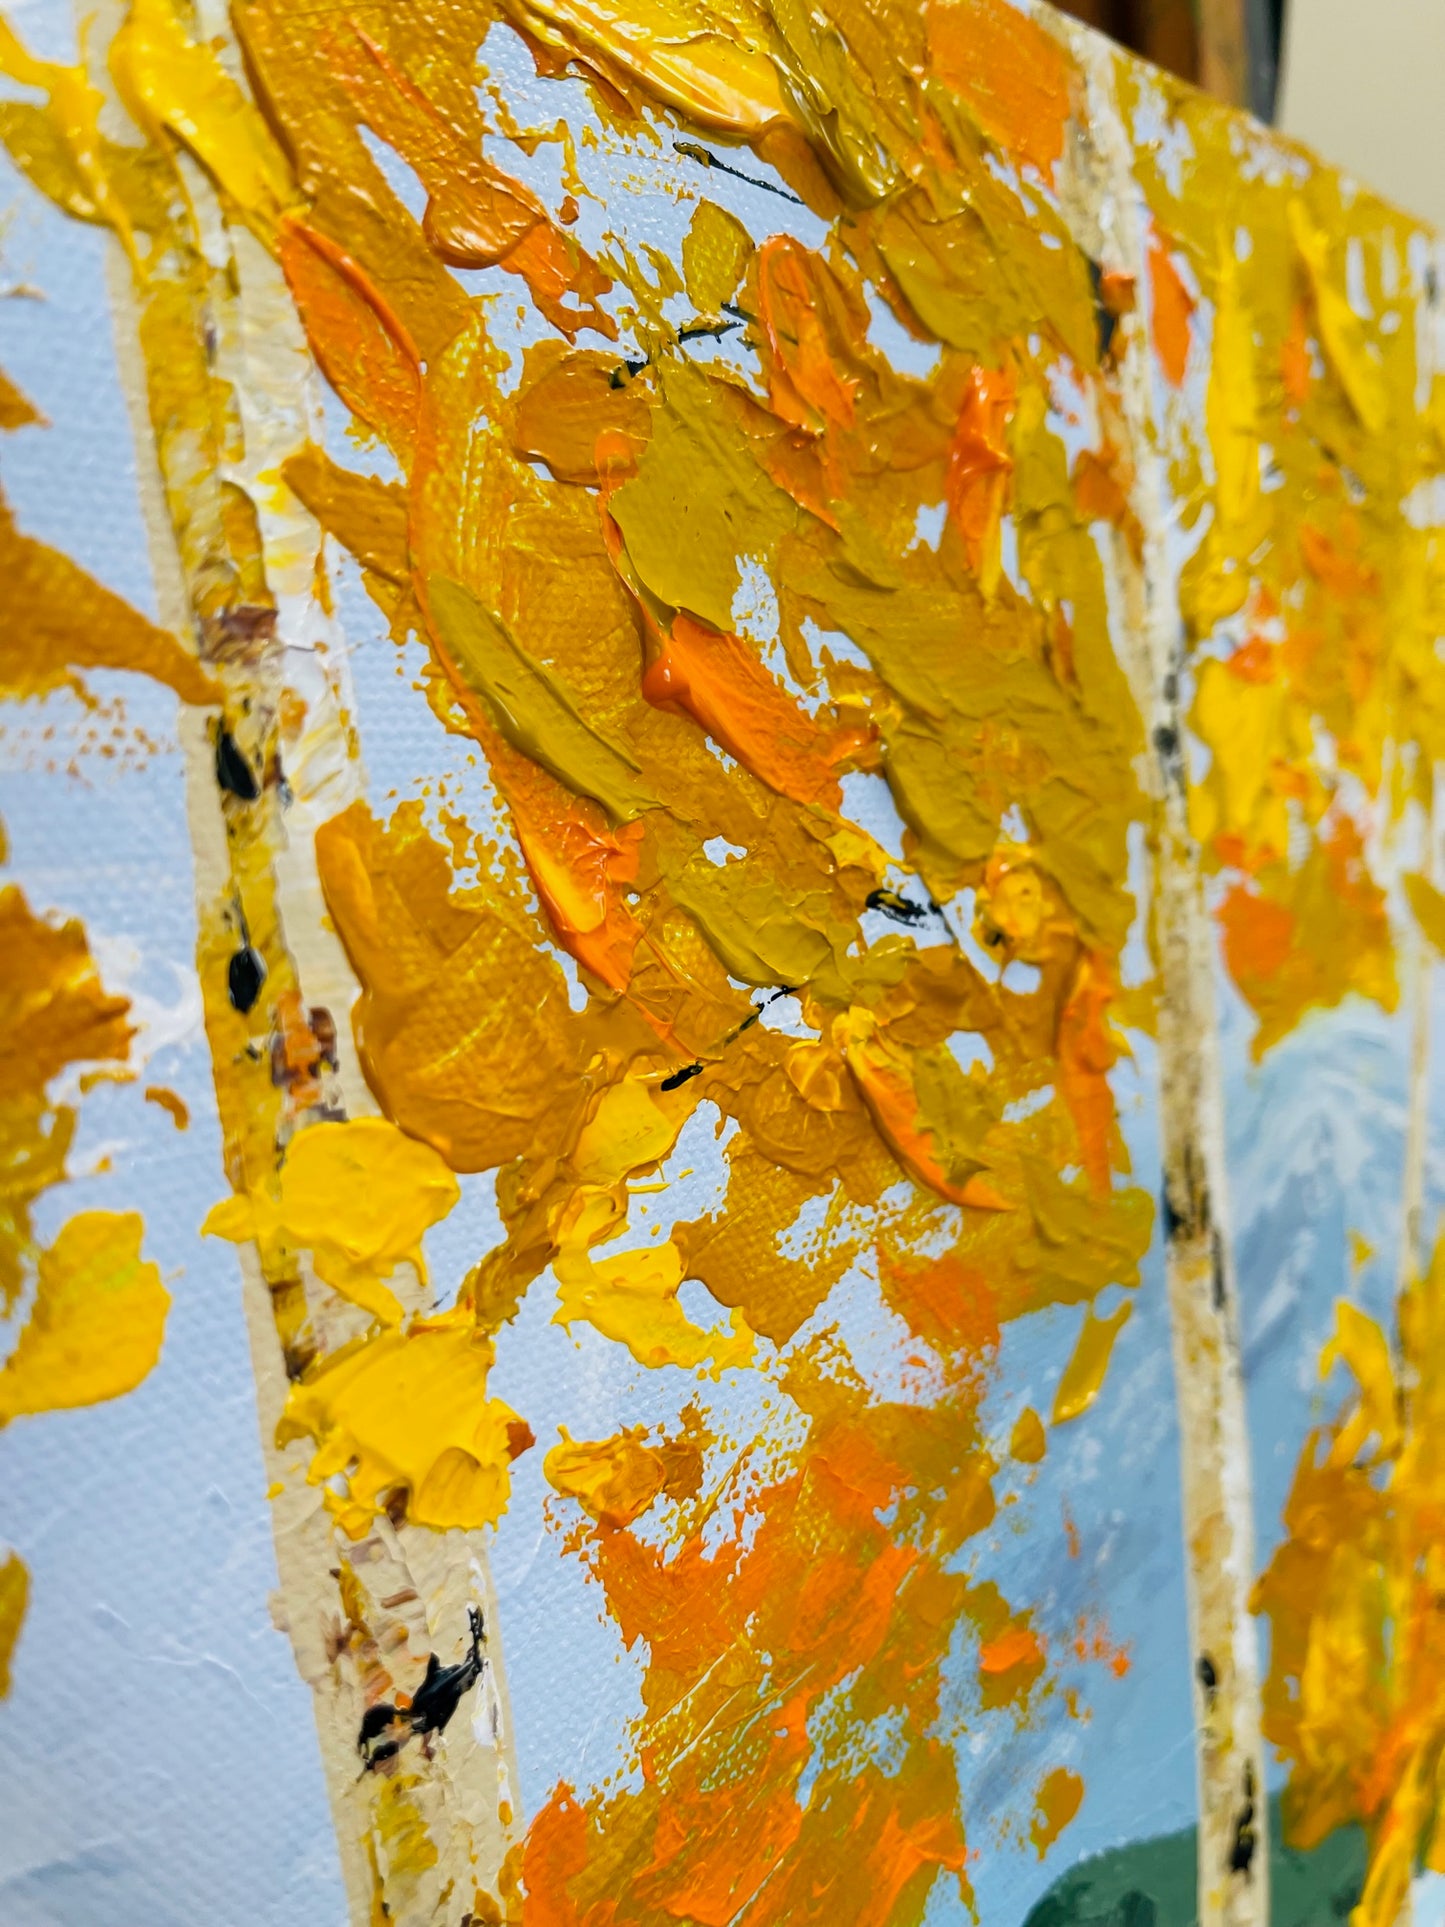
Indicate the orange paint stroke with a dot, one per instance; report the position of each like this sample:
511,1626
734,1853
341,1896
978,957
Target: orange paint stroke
476,216
717,680
980,469
1171,310
1013,73
360,341
806,386
1087,1054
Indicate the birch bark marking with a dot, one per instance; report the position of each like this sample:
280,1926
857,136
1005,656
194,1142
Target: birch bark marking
235,559
1199,1270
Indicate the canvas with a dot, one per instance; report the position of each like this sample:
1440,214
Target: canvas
720,910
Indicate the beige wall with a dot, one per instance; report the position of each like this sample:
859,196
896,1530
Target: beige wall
1363,82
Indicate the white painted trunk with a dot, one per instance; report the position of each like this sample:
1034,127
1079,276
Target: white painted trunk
1108,214
421,1836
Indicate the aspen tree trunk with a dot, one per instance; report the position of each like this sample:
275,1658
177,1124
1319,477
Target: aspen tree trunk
1412,1203
235,560
1411,1263
1417,1101
1420,956
1209,1381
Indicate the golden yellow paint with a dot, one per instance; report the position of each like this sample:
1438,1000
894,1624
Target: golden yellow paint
567,535
1428,904
55,1009
631,1298
1059,1797
407,1413
1247,718
633,1127
1355,1700
715,251
60,621
170,81
402,1832
1083,1376
1330,667
535,711
76,169
1028,1441
1359,1344
712,75
54,1012
98,1321
14,1599
359,1197
614,1480
174,1105
1351,353
16,409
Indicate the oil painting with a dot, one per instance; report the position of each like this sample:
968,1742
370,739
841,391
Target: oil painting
721,908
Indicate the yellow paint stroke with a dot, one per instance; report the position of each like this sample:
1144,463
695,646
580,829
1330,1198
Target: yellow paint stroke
713,76
631,1298
54,1009
1083,1376
77,171
96,1326
634,1126
16,409
401,1830
1352,355
537,714
59,620
1428,904
54,1012
1028,1441
168,80
174,1106
359,1196
1355,1698
933,1117
715,251
614,1480
1359,1344
1232,408
14,1599
407,1413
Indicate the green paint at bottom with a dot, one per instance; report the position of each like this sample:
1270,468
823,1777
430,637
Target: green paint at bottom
1152,1884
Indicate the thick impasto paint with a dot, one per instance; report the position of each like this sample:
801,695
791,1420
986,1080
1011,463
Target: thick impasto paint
797,655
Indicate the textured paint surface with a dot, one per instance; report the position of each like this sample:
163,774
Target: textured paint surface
96,1325
773,578
1354,1697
